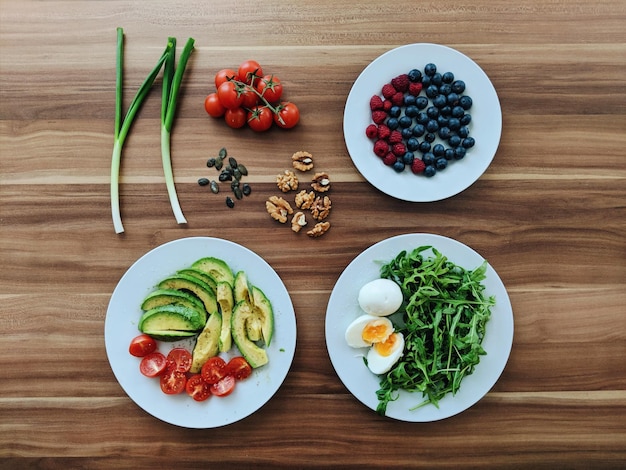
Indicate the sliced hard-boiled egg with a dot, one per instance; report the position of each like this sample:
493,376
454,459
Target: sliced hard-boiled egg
380,297
382,356
367,330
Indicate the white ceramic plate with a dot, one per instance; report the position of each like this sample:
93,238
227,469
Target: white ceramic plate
486,125
124,312
343,307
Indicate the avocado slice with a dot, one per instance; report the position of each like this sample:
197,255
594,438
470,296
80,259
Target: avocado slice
255,355
253,327
171,296
207,344
207,278
225,301
177,319
216,268
262,308
241,288
169,336
194,285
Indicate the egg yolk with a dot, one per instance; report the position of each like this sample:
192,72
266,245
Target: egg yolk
376,331
386,347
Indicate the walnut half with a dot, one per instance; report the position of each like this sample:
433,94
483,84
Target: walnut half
321,182
321,208
305,200
278,208
298,221
319,229
302,161
287,181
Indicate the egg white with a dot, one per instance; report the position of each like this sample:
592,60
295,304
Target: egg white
354,332
379,364
380,297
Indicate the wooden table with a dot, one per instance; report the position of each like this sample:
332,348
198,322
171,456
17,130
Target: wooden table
548,214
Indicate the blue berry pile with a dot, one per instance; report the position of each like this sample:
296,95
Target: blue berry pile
421,120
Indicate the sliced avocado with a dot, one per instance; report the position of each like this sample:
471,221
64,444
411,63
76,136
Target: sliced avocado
216,268
194,285
176,318
241,289
171,335
253,327
207,278
170,296
255,355
225,301
207,344
262,307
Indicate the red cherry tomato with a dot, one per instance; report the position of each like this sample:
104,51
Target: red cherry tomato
270,87
224,387
197,388
249,98
229,95
180,359
235,118
239,368
260,118
213,370
225,75
288,115
213,106
173,381
153,365
142,345
249,72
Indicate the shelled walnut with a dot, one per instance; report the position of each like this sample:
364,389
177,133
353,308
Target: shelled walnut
321,182
287,181
321,208
298,221
278,208
304,200
302,161
319,229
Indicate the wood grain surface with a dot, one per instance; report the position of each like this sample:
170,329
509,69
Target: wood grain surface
549,214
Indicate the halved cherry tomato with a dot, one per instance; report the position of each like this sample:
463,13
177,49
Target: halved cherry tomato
249,72
235,118
260,118
288,115
180,359
224,387
213,106
213,370
173,381
270,87
225,75
142,345
153,365
239,368
197,388
249,98
229,95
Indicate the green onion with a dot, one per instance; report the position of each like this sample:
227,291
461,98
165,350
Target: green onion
172,80
122,127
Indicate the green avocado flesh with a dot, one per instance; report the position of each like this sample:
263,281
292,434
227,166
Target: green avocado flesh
262,308
178,319
194,285
216,268
206,278
255,355
171,297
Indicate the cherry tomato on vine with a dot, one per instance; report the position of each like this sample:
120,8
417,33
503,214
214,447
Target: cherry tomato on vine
260,118
225,75
224,387
288,115
142,345
197,388
153,365
173,381
213,370
239,368
249,72
179,359
235,118
213,106
249,98
270,87
229,95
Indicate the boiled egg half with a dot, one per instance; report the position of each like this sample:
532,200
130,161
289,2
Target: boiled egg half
380,297
367,330
381,357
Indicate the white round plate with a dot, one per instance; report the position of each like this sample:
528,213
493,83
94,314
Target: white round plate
486,125
124,312
348,362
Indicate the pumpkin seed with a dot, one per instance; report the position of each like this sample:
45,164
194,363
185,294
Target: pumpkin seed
238,192
223,152
232,162
214,187
246,189
229,202
242,169
210,162
203,181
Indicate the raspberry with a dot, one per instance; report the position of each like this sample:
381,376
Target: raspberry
401,82
376,102
381,148
415,88
387,105
379,116
398,98
398,149
417,166
371,131
388,90
395,137
389,159
383,132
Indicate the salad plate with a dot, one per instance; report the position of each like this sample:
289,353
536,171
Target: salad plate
485,127
343,308
124,311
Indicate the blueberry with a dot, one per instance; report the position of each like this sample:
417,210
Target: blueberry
432,126
422,118
446,110
392,123
398,166
454,141
445,89
432,112
449,154
411,111
425,81
395,111
409,100
405,121
421,102
412,144
459,153
429,137
430,69
466,102
436,79
453,99
463,132
465,119
408,158
448,77
415,75
458,112
468,142
442,121
444,133
458,86
454,124
432,91
438,150
441,163
439,101
407,132
430,171
424,146
418,130
428,158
